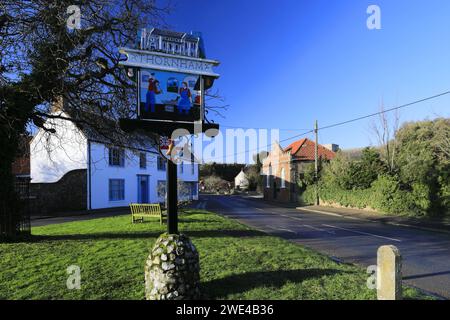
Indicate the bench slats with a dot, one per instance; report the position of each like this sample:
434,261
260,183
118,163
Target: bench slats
141,210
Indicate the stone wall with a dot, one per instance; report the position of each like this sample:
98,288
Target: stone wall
67,194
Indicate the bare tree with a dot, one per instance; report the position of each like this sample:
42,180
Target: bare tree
215,103
385,129
43,61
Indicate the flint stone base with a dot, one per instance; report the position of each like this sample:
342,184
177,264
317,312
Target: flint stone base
172,270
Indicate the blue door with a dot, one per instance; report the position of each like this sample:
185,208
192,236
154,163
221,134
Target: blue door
143,189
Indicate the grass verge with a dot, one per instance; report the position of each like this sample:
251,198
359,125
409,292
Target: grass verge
236,262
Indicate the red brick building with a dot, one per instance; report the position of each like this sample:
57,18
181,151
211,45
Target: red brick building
21,165
282,167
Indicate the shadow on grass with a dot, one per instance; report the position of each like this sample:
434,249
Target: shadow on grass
150,235
239,283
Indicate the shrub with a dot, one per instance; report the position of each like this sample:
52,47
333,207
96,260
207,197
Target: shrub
418,184
214,183
308,196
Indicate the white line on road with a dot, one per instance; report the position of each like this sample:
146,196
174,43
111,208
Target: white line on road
321,212
288,216
363,233
319,229
280,229
288,230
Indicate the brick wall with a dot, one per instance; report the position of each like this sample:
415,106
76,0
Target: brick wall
277,161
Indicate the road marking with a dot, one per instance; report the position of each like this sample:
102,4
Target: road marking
280,229
287,216
288,230
318,229
363,233
321,212
353,218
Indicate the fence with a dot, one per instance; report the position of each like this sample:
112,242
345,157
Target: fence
17,222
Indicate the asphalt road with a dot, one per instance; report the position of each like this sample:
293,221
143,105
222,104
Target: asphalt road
426,255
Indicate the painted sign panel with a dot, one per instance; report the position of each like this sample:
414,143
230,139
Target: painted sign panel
171,69
168,95
169,62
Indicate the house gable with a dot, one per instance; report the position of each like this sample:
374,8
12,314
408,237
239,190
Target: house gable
52,155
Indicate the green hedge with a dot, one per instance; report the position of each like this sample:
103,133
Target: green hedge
384,195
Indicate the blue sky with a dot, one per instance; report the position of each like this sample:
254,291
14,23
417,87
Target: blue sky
286,63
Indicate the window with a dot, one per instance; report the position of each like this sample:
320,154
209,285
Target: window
283,177
269,173
116,189
194,189
161,163
116,157
143,160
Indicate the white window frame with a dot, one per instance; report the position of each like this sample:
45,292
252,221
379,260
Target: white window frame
269,173
283,178
120,157
142,160
121,195
160,163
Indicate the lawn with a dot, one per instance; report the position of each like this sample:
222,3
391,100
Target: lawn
236,262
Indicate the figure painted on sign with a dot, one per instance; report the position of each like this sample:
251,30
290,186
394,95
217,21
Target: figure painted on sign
153,90
185,99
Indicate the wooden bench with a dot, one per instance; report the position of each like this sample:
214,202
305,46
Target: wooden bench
141,210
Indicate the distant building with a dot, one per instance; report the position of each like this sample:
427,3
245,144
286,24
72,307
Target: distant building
331,146
21,165
282,167
241,181
20,168
84,171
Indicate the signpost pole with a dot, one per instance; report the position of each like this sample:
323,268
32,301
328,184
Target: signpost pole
202,99
161,112
172,201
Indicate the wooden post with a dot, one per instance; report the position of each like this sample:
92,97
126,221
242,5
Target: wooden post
202,99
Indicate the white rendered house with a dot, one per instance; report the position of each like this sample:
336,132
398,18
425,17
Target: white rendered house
115,176
241,180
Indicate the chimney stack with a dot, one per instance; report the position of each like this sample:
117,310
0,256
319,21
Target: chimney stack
58,105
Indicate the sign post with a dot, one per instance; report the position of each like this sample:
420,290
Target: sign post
172,74
172,197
